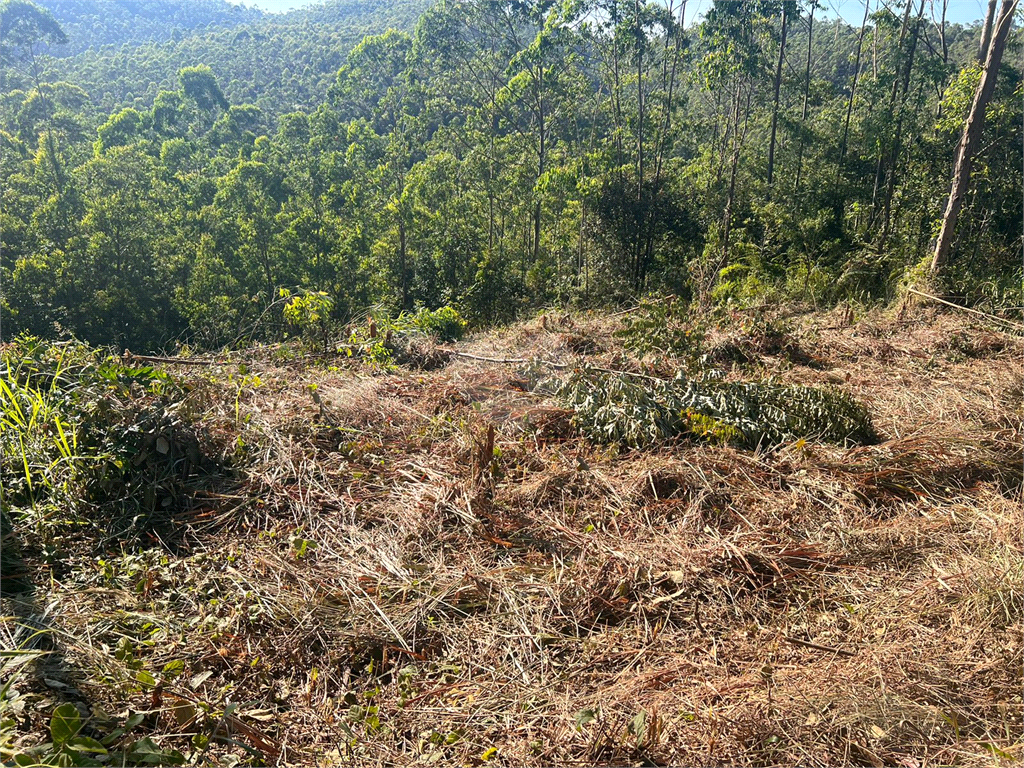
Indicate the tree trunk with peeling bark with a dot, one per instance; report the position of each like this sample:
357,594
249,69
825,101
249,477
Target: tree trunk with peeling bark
986,31
971,137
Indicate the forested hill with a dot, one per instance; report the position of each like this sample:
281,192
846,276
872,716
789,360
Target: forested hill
123,53
494,157
93,23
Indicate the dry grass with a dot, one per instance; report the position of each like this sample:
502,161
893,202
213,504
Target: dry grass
378,590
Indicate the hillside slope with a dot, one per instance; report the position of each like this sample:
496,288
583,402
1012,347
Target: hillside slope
333,563
94,23
123,54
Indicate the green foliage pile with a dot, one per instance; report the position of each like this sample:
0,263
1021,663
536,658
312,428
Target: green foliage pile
639,412
408,338
87,440
445,323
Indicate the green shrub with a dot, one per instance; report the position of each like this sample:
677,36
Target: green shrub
444,323
310,311
85,437
739,284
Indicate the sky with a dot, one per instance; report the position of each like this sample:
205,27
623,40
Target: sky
852,11
958,11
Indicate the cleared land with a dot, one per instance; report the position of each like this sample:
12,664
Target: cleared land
372,585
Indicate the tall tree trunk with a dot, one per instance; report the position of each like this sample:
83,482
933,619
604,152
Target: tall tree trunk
617,103
945,56
971,137
51,148
490,174
714,141
807,94
775,90
733,171
731,121
880,170
541,158
897,142
580,242
403,255
667,124
662,145
942,33
853,91
986,31
638,240
874,52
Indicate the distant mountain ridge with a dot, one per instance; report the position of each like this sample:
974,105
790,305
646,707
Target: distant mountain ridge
93,23
123,52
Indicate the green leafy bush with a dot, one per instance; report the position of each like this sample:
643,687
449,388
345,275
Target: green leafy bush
740,284
386,341
444,323
310,311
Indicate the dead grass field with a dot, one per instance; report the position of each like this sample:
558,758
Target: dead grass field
372,588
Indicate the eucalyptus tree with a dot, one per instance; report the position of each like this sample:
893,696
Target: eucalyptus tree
376,88
24,27
737,41
973,128
303,152
640,50
199,86
247,202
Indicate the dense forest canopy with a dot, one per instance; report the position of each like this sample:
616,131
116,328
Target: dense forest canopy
94,23
169,170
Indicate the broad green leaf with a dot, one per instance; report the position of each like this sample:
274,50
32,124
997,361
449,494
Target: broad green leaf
65,724
145,751
86,744
173,668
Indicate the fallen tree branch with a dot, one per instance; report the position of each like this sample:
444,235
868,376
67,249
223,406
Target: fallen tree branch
815,646
131,356
549,363
1016,326
128,356
506,360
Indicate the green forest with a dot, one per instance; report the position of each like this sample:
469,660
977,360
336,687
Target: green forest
168,177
